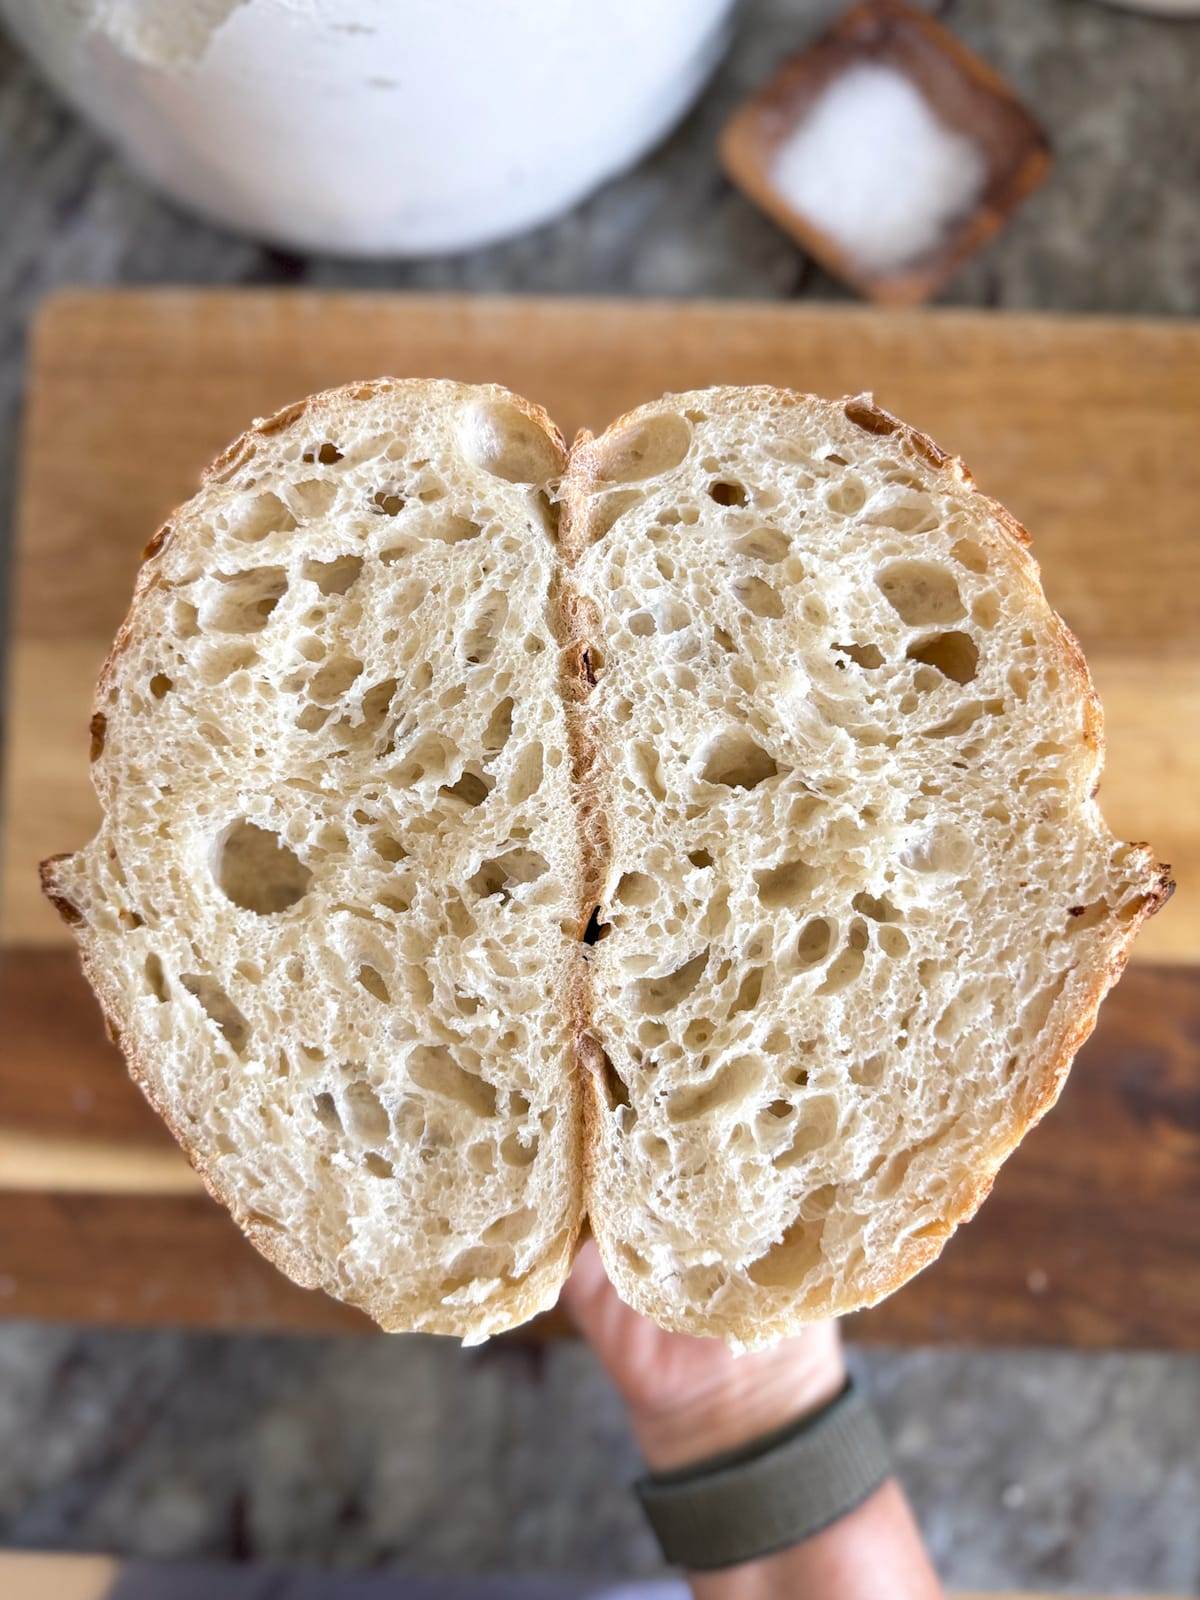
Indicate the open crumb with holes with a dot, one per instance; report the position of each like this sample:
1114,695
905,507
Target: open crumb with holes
693,832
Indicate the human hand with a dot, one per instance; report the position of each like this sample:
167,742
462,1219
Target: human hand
690,1398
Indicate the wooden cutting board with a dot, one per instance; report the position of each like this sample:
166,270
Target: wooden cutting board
1086,428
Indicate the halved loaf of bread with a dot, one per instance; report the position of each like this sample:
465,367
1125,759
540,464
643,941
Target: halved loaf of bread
693,832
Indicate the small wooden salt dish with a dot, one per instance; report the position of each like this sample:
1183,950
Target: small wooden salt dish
980,143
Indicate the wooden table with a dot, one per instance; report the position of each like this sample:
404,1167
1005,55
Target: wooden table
1087,428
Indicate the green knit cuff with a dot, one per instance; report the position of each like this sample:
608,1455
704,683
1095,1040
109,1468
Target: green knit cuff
772,1493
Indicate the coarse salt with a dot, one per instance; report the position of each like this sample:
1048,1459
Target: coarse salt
872,165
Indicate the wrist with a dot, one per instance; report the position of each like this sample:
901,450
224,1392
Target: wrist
741,1401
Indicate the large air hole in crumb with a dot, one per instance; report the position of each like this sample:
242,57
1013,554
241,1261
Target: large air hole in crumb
904,516
499,875
257,871
613,1086
868,1072
516,1151
364,1113
242,602
647,769
814,942
160,685
878,908
326,1111
471,790
847,496
716,915
512,1227
764,544
482,634
333,577
312,498
920,592
726,492
378,1166
787,1264
660,995
312,719
893,1171
1036,1011
607,511
185,620
786,885
499,438
893,943
959,723
954,654
372,981
156,980
971,555
644,449
332,680
219,1008
816,1127
499,725
387,503
259,516
735,761
428,757
432,1067
732,1085
1081,918
526,775
474,1266
220,662
844,970
867,656
749,991
759,597
636,889
375,704
453,529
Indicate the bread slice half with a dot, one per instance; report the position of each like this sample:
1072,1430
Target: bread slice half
694,832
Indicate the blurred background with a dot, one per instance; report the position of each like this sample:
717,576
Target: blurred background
1058,1469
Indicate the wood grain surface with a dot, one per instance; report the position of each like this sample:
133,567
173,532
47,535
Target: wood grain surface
1086,428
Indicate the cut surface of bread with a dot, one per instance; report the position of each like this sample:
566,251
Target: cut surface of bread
693,833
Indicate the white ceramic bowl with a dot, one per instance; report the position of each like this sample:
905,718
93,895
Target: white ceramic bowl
377,127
